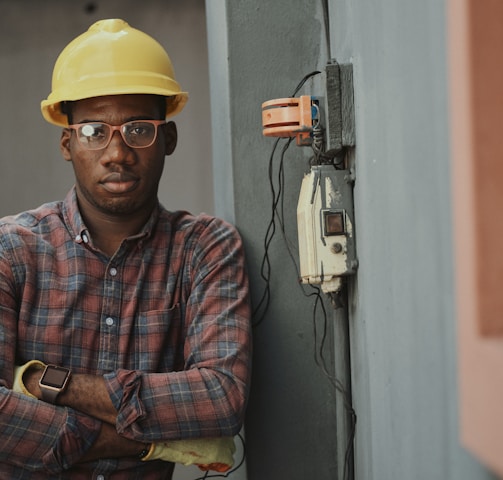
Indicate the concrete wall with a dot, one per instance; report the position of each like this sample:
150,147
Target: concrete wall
403,328
403,333
261,51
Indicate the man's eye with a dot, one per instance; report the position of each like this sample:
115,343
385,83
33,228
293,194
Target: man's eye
138,131
93,131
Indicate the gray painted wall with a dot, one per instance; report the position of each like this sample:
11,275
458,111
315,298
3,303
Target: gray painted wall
403,334
267,49
403,328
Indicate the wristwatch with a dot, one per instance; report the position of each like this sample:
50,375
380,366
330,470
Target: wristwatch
54,380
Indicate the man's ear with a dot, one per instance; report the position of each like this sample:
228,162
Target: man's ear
171,137
64,144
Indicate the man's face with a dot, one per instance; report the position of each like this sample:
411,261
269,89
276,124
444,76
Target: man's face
118,180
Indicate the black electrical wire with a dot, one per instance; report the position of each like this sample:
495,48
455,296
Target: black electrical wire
319,358
321,362
262,307
278,220
278,215
260,310
303,81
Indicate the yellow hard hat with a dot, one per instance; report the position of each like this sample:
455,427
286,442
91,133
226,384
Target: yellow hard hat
111,58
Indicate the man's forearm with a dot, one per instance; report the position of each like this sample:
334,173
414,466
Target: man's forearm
85,393
88,394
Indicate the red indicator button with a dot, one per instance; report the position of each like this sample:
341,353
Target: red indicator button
334,223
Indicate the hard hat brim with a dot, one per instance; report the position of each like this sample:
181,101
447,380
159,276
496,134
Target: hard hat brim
52,112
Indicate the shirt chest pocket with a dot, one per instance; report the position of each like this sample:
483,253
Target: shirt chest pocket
158,342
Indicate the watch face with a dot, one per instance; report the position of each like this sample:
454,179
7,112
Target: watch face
54,376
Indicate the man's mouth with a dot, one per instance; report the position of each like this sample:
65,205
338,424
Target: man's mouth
119,182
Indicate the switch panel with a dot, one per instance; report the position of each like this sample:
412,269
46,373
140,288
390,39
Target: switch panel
325,227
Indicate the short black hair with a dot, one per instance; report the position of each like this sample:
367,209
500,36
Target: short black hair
66,108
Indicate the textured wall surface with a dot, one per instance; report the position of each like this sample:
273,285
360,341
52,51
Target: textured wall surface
403,329
403,333
267,49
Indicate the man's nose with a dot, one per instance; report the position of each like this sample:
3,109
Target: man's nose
118,150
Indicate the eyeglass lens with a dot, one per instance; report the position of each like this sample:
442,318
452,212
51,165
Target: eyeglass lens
138,134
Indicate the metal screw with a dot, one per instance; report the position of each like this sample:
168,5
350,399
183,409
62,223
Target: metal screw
336,248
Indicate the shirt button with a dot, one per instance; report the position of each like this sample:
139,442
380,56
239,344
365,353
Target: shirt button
78,239
109,321
85,238
113,271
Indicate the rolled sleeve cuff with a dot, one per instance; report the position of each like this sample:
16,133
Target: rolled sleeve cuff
81,433
124,389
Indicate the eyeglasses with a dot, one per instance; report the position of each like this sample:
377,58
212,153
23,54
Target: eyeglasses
136,134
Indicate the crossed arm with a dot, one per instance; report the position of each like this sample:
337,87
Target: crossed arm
98,405
121,412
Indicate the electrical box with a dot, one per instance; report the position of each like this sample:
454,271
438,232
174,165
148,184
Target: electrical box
325,227
325,214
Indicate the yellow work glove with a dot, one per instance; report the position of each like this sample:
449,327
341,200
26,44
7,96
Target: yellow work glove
206,453
18,376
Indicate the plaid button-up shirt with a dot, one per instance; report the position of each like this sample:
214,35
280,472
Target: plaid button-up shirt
165,321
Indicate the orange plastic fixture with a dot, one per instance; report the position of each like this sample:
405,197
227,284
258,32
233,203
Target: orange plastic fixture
288,117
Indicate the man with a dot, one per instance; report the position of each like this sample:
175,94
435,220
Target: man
124,327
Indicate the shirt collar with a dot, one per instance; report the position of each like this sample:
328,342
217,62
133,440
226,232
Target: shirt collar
75,223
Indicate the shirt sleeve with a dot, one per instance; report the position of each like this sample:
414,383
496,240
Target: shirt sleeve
40,437
208,397
35,435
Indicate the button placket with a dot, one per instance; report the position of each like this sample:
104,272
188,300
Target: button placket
110,318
